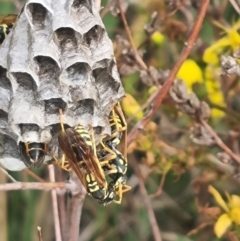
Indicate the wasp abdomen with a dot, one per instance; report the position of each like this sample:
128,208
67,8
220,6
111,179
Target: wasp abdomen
84,134
93,188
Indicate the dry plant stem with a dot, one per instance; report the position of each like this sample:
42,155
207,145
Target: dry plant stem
236,5
164,19
17,4
33,175
165,88
105,10
7,174
32,186
74,211
200,227
144,106
136,55
55,205
61,200
219,141
160,188
147,200
39,233
231,235
74,219
98,5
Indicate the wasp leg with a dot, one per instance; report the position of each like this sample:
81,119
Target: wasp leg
119,109
120,192
113,171
61,120
53,161
126,188
45,148
27,146
110,157
123,127
95,155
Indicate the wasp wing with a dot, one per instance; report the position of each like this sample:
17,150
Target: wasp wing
8,19
66,147
83,154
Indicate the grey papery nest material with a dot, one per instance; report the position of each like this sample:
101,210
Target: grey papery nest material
58,56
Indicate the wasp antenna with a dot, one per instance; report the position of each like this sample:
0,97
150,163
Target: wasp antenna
61,120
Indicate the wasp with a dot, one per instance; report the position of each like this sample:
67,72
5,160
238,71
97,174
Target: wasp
33,153
112,161
6,24
80,151
114,166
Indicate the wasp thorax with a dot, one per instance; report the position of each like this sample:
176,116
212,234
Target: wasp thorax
32,154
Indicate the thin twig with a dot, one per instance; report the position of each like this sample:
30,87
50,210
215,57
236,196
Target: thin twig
147,200
144,106
136,55
55,205
166,86
7,174
32,186
160,188
17,4
61,200
74,208
219,141
163,20
39,233
33,175
98,5
236,5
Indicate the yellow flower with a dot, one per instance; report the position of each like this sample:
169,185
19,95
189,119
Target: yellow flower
232,33
131,107
231,39
211,54
214,91
231,212
158,38
190,73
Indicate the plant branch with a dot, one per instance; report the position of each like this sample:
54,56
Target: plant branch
55,205
39,229
236,5
98,5
219,141
136,55
32,186
147,200
75,204
33,175
166,86
7,174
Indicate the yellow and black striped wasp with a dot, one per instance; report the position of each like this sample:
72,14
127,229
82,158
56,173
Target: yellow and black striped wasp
32,153
113,162
6,24
81,157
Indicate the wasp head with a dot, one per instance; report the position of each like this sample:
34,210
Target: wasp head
32,153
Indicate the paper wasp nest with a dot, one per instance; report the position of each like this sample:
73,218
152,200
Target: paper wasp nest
57,56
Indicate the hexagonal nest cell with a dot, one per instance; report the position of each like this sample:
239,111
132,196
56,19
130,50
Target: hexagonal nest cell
57,56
